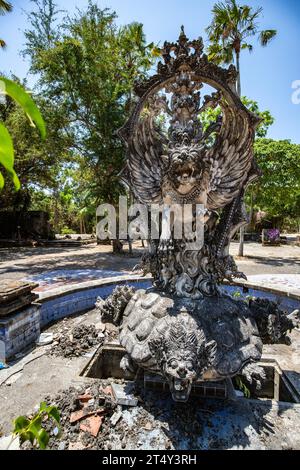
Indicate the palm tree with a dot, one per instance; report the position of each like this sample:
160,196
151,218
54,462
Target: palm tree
229,33
5,7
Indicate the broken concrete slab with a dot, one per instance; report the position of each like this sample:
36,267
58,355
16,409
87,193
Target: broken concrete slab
116,416
11,289
45,339
123,394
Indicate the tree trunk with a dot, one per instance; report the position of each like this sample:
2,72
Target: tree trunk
117,246
238,83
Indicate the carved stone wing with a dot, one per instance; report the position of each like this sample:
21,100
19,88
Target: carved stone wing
231,158
144,167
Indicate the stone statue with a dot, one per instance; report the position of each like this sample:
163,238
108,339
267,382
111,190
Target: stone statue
190,164
186,328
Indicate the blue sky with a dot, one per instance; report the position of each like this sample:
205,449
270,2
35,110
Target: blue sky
267,73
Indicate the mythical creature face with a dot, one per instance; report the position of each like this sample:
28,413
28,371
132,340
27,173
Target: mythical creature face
185,169
182,355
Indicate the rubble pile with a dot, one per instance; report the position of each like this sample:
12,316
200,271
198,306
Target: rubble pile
76,342
93,419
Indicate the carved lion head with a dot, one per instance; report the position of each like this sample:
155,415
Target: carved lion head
182,354
186,167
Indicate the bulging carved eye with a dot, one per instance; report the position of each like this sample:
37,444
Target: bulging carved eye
189,366
173,364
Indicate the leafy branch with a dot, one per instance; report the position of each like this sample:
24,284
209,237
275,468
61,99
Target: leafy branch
32,429
20,96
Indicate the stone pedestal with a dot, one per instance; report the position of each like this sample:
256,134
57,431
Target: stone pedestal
19,331
19,317
15,295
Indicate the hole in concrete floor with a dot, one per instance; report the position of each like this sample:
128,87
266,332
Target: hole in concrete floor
105,364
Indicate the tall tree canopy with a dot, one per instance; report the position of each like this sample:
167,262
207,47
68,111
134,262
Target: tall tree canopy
87,66
232,27
278,190
229,32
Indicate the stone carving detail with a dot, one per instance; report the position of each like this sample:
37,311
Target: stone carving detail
185,328
184,340
192,162
112,309
254,374
272,322
182,355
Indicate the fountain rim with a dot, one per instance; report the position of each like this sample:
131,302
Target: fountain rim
123,279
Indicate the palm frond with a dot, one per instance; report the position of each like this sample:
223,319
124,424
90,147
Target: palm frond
5,7
247,46
266,36
2,44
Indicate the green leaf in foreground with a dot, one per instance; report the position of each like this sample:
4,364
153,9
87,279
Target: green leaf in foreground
32,429
16,92
20,424
43,439
7,156
54,413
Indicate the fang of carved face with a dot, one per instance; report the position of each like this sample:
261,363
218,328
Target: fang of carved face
182,372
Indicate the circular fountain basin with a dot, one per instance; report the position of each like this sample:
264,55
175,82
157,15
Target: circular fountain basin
75,298
69,298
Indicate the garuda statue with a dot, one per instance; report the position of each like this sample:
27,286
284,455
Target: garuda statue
190,141
177,154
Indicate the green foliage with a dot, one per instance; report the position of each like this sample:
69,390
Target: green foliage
232,25
32,429
237,294
277,192
5,7
266,118
7,156
66,231
210,115
87,66
230,30
242,387
19,95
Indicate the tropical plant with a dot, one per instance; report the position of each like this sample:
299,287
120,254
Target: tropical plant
211,115
33,429
277,191
23,99
5,7
88,71
229,32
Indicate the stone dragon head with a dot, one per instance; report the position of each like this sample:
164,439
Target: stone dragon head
182,355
